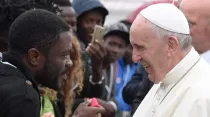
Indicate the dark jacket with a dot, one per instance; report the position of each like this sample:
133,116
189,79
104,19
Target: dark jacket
19,95
137,88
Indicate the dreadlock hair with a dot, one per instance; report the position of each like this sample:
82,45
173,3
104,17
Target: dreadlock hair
11,9
63,3
35,29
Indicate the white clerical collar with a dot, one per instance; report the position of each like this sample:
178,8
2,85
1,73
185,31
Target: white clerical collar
206,56
181,68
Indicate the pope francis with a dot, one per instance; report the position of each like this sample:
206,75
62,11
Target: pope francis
161,42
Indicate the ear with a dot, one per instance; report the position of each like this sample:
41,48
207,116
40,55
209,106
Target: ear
173,45
34,57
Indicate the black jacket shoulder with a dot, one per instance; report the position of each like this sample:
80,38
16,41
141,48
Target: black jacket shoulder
18,96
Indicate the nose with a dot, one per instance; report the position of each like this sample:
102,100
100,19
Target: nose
69,63
136,58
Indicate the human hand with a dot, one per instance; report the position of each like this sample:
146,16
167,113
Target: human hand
97,53
49,114
85,111
109,109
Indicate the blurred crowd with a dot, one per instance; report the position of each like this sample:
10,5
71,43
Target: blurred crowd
51,68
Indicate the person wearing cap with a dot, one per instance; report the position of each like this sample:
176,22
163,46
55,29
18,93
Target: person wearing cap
139,85
90,13
161,41
116,38
124,70
197,14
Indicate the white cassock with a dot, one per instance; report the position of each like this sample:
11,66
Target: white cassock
184,91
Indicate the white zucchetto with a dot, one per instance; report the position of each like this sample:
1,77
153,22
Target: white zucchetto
167,16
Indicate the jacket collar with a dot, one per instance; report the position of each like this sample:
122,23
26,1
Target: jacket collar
25,73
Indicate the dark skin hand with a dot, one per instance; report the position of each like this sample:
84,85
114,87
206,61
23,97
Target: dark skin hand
85,111
97,53
109,109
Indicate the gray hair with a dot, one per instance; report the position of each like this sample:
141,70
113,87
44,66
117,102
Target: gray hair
184,39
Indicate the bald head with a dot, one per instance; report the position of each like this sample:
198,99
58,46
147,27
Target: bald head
202,4
198,15
196,6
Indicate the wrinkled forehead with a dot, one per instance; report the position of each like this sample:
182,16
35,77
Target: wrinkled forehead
139,27
141,32
139,22
139,19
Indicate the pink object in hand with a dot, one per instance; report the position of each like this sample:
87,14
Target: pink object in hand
94,103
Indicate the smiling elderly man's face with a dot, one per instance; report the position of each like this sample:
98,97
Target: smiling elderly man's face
151,51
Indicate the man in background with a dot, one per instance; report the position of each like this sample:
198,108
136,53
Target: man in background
116,39
68,13
197,13
90,13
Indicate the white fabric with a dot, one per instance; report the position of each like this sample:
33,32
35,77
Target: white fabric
9,64
167,16
109,86
114,105
184,91
206,56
